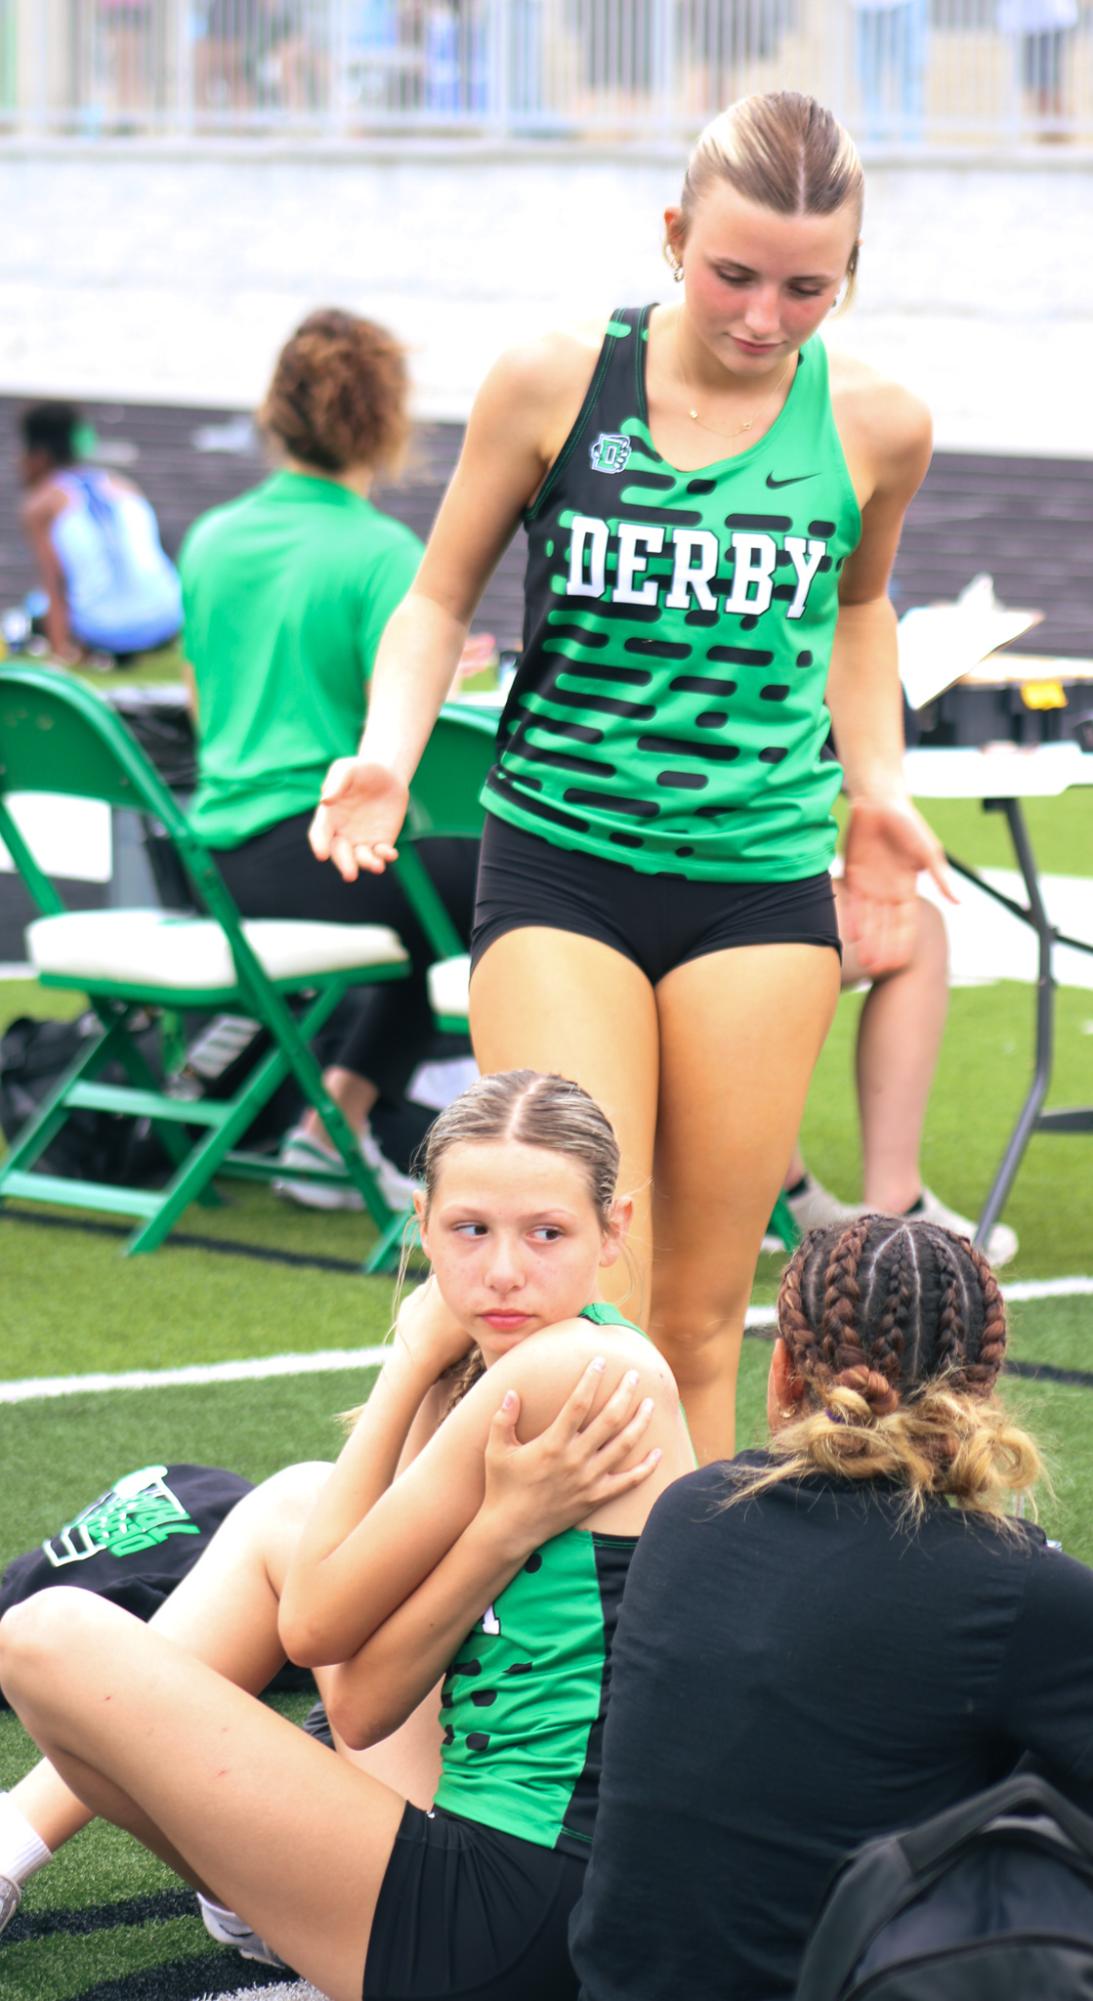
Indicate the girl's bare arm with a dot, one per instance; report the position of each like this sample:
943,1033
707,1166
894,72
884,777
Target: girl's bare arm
520,416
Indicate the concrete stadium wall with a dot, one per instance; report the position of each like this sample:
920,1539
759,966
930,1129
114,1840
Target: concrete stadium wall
164,273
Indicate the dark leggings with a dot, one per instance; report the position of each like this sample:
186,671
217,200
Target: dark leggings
379,1032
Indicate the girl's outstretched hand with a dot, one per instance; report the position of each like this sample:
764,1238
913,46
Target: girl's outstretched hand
580,1462
887,847
358,818
429,1331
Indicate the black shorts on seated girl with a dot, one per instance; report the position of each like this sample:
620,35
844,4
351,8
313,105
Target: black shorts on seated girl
658,921
476,1899
468,1913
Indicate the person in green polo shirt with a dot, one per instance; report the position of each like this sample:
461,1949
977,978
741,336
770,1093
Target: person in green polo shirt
286,592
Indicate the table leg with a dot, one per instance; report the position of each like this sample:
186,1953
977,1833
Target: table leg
1029,1114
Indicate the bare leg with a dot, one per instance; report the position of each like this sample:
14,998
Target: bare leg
899,1037
355,1095
295,1840
740,1032
552,1000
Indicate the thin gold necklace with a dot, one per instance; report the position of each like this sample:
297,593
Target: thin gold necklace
726,436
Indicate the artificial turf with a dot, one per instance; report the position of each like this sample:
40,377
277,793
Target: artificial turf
256,1277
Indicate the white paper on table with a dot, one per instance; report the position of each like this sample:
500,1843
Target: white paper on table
938,643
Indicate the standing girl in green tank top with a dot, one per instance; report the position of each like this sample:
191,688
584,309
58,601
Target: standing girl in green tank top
711,524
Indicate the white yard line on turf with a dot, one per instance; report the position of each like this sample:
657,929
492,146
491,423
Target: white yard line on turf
195,1375
297,1990
261,1367
1047,1288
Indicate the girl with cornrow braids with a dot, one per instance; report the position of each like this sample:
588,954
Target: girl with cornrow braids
834,1638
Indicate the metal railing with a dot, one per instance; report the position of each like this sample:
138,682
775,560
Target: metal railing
914,73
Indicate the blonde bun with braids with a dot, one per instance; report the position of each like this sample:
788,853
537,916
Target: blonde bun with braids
894,1336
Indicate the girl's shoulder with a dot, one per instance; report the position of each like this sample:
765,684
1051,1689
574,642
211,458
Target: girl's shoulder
544,378
549,1363
882,423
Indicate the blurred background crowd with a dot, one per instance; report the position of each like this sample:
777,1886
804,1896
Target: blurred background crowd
907,72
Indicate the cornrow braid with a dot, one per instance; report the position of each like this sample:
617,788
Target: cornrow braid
887,1347
983,1369
952,1326
793,1321
840,1333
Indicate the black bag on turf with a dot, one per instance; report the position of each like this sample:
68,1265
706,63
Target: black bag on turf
989,1901
91,1145
136,1542
111,1146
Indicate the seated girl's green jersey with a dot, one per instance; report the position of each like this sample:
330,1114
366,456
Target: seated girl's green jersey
524,1700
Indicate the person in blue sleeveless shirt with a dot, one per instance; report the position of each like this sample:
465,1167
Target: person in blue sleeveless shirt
95,538
445,1549
711,512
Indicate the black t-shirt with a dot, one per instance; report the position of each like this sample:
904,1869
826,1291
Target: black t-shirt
792,1676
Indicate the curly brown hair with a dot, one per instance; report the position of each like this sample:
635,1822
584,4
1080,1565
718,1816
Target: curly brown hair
895,1332
339,393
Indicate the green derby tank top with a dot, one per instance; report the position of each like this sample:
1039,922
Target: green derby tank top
668,711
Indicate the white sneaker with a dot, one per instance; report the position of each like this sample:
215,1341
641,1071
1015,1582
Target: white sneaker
396,1187
301,1149
11,1897
1000,1246
812,1209
227,1929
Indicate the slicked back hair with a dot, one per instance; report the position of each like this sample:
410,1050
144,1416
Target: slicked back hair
535,1108
784,151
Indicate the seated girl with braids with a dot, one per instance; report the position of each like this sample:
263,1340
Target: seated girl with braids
442,1545
834,1638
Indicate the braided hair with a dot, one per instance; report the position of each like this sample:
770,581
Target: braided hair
895,1334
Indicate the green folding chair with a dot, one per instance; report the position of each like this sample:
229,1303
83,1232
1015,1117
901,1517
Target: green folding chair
59,736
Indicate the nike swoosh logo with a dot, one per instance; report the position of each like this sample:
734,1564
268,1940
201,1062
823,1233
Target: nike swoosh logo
794,481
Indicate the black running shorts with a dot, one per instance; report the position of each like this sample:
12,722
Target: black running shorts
466,1913
658,921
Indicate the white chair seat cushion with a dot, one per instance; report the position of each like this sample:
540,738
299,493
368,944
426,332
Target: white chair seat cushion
164,948
449,985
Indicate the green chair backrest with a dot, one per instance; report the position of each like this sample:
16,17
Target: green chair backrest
444,797
444,800
59,736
